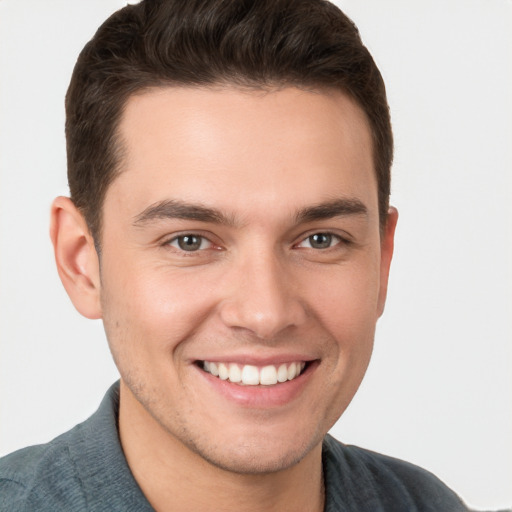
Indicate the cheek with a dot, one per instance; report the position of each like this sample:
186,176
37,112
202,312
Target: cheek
151,310
347,308
346,300
347,312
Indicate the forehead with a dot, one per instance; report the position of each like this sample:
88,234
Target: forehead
229,148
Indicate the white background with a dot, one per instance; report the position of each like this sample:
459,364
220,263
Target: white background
439,390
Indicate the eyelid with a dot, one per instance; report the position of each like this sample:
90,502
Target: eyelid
201,248
343,238
167,240
335,238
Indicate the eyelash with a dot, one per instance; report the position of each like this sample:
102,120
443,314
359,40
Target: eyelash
332,238
176,239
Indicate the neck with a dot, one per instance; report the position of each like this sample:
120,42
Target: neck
174,478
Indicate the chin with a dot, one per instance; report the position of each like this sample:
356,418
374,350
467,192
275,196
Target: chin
253,458
251,453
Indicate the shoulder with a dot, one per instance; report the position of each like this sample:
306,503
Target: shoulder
83,469
384,483
41,477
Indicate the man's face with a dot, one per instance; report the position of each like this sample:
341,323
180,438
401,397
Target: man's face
242,237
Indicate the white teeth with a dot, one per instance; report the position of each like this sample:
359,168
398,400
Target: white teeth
268,375
235,374
214,369
282,373
250,375
223,371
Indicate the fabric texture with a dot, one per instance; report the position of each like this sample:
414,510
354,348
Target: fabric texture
85,470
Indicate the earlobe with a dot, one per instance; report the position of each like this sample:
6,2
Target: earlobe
76,257
387,247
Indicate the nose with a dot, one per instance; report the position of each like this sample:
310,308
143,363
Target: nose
262,297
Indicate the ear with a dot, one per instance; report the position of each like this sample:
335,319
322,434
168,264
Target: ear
76,257
386,255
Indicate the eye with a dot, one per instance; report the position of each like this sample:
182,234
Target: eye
190,243
320,241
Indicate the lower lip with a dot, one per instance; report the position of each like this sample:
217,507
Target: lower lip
261,397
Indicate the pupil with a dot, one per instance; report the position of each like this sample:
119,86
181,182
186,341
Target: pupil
320,240
189,242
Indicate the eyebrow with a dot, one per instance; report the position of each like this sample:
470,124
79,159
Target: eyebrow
331,209
175,209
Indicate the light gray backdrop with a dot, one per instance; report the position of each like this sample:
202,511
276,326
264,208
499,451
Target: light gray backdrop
439,389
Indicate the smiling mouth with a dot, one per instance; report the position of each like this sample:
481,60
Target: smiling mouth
250,375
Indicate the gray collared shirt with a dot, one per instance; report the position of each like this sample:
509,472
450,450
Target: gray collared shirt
85,470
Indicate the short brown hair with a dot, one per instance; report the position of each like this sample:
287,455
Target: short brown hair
249,43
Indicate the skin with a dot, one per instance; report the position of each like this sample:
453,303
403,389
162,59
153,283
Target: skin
257,289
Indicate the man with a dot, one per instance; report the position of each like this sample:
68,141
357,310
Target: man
229,167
